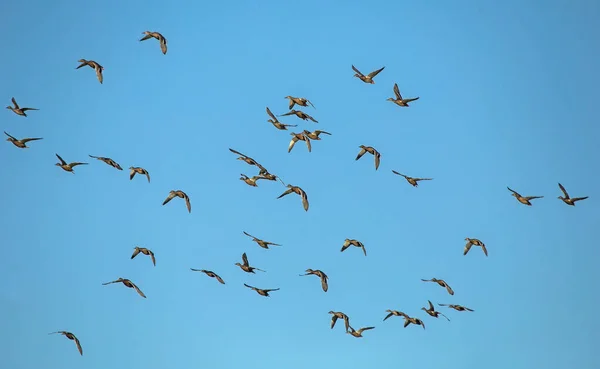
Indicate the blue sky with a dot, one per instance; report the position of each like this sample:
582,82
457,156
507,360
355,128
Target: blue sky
507,98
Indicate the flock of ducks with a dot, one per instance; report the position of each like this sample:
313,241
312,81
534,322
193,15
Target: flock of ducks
307,136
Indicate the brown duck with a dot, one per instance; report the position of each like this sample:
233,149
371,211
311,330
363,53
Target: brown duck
567,199
474,242
251,181
432,312
299,137
22,142
261,243
314,135
348,242
67,167
210,274
358,333
138,170
159,37
300,114
441,283
368,149
457,307
298,191
108,161
335,315
246,266
17,109
97,67
248,160
319,274
275,122
261,291
369,77
416,321
72,337
399,100
144,251
412,180
394,313
523,199
300,101
128,284
181,195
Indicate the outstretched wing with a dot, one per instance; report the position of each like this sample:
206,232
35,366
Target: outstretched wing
375,72
397,92
62,162
271,114
357,71
360,154
563,190
169,198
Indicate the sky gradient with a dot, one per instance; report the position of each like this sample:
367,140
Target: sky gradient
508,94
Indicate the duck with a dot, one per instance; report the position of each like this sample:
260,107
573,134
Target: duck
17,109
335,315
97,67
299,137
246,266
369,149
314,135
248,160
394,313
276,123
22,142
300,101
432,312
412,180
358,333
300,114
399,100
210,274
261,291
161,39
108,161
128,283
350,242
319,274
251,181
523,199
416,321
180,194
441,283
298,191
144,251
567,199
369,77
474,242
457,307
72,337
67,167
138,170
261,243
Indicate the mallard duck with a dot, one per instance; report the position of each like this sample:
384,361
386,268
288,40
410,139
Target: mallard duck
17,109
523,199
431,311
368,149
300,101
275,122
314,135
299,137
210,274
298,191
442,283
128,284
412,180
138,170
567,200
457,307
144,251
159,37
358,333
261,243
416,321
248,160
97,67
260,291
339,315
369,77
180,194
300,114
72,337
251,181
399,100
67,167
319,274
22,142
394,313
108,161
348,242
246,266
474,242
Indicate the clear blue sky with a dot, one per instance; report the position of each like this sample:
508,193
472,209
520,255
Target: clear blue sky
509,96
